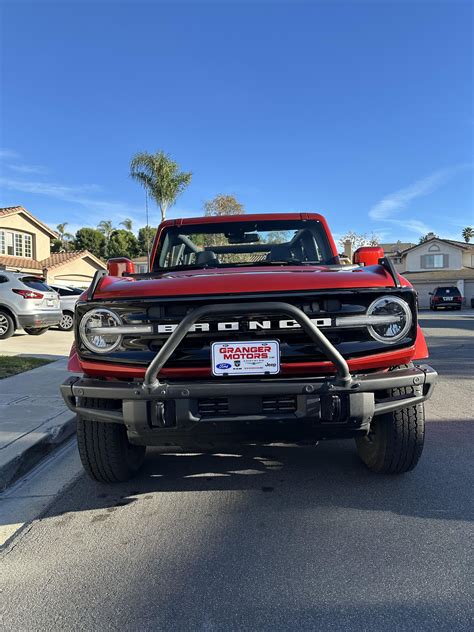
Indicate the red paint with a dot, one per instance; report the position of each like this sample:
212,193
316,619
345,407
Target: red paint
376,361
368,255
74,363
421,349
237,281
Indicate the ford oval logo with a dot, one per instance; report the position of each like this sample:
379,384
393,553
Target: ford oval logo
224,365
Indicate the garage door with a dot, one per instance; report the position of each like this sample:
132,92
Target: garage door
423,290
468,292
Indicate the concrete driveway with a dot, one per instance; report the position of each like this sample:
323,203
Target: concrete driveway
53,343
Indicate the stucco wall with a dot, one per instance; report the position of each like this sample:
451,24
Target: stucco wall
41,241
78,273
413,259
468,258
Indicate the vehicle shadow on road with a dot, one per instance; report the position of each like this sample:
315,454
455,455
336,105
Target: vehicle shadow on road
327,475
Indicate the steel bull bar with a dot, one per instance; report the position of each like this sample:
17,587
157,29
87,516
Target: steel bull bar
362,395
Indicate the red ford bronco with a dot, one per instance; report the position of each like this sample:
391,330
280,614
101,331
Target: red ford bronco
248,329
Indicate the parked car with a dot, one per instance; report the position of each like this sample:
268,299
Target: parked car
446,297
68,297
26,301
234,338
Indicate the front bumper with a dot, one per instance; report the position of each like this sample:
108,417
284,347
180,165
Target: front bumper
206,413
39,319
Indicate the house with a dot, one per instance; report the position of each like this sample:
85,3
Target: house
141,264
25,245
394,252
439,262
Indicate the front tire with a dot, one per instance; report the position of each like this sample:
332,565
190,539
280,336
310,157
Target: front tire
36,331
395,441
106,453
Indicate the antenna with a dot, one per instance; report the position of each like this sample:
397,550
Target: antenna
147,232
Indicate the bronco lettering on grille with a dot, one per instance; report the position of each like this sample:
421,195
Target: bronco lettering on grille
251,325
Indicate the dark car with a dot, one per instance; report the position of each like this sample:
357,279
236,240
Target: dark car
446,297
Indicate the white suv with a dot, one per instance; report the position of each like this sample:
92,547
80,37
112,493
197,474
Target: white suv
68,297
26,301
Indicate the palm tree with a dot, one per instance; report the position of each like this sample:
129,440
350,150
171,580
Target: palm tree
161,178
127,223
468,233
63,237
106,227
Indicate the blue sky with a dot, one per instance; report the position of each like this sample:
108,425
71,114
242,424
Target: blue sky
361,111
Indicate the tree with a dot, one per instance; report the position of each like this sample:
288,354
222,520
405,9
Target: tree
161,178
359,239
223,205
427,237
106,227
122,243
62,243
127,224
90,239
146,236
468,233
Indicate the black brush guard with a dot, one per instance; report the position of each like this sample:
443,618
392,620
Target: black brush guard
170,413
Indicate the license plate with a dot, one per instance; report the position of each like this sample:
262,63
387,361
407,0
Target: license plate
448,298
261,357
50,302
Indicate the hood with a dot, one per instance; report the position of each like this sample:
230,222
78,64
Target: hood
243,281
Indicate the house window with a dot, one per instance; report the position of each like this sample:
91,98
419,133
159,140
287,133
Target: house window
434,261
27,249
15,244
18,244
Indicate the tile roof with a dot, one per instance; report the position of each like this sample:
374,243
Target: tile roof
60,258
20,262
439,275
12,210
458,244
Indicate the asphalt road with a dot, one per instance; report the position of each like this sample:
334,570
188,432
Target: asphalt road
267,539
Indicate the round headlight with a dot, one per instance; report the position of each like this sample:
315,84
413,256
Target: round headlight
395,319
94,330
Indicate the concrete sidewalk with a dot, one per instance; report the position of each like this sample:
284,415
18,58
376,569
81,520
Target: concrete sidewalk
33,419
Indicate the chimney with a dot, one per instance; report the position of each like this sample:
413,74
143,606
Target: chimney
348,249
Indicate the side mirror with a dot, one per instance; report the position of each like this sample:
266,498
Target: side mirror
430,293
120,266
368,255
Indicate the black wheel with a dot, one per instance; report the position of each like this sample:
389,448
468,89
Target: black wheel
395,441
106,453
36,331
7,326
67,321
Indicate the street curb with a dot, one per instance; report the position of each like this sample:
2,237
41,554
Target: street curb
24,458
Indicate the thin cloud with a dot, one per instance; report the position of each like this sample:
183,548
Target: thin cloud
413,225
398,200
8,153
28,169
81,194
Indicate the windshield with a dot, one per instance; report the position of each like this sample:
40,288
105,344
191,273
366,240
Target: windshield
243,243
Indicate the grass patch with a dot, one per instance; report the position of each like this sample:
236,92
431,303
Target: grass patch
12,365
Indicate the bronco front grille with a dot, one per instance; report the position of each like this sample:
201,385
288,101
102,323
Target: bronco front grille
295,345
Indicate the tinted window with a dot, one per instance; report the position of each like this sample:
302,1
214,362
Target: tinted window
448,291
36,284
